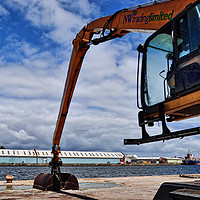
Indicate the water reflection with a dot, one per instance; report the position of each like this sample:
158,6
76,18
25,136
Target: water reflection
9,187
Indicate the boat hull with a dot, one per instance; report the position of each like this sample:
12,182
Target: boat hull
191,162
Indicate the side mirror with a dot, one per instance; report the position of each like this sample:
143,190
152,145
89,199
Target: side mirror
140,48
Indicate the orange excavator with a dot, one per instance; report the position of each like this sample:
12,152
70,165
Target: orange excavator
169,75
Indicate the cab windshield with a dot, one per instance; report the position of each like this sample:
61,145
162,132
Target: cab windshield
158,61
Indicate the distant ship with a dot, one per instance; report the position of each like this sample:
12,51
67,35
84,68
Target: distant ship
190,160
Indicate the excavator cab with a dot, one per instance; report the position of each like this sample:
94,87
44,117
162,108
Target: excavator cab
171,60
170,76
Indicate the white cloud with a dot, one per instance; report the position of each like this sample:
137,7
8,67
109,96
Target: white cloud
58,19
21,135
3,12
29,83
27,123
81,7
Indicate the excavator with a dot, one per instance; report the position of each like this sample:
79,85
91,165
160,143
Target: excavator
168,80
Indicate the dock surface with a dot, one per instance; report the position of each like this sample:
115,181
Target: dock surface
126,188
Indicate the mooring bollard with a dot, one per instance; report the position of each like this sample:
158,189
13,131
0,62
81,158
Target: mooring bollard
9,178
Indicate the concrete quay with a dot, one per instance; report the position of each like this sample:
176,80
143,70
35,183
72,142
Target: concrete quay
126,188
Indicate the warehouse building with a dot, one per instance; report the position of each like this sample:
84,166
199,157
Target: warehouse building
12,156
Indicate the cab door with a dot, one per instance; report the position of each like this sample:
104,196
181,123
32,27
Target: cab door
157,62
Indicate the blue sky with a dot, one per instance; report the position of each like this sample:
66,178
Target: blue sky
36,43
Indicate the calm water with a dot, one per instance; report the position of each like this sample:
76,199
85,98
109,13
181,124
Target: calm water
29,173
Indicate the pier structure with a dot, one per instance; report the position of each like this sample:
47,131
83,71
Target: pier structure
12,156
126,188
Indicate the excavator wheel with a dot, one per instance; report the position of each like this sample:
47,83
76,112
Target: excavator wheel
50,182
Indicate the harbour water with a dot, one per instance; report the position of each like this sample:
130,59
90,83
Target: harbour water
30,172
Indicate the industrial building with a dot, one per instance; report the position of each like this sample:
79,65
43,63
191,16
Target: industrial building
171,160
134,159
12,156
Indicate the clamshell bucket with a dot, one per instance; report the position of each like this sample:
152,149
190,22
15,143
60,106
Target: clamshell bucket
46,182
69,181
51,182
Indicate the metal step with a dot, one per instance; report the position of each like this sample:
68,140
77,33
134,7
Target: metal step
162,137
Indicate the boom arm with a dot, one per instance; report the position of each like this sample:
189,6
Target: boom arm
143,18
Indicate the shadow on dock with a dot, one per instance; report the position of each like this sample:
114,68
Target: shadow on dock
76,195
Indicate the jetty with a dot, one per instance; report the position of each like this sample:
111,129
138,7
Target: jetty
126,188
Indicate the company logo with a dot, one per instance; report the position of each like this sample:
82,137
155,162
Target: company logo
133,18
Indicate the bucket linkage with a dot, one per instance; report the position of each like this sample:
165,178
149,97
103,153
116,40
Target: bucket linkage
56,180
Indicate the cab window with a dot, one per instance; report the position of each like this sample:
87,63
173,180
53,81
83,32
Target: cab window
159,56
188,32
188,42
